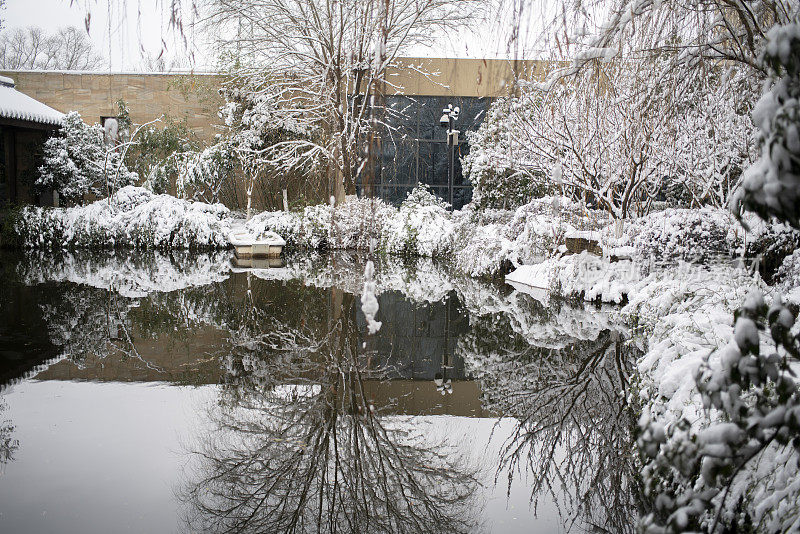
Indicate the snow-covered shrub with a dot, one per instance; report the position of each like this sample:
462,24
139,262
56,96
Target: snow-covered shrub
155,153
201,174
78,161
131,217
498,179
770,243
787,277
349,225
489,241
771,185
422,226
686,234
754,403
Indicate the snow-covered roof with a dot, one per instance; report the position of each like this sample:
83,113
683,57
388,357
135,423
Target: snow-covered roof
19,106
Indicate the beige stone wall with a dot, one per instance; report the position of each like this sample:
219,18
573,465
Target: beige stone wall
194,97
94,95
460,77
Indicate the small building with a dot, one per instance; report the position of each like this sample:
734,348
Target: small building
25,124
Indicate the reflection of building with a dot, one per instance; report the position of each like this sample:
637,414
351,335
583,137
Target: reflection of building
417,339
25,124
149,343
25,348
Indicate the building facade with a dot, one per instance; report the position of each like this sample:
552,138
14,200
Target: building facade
25,123
415,151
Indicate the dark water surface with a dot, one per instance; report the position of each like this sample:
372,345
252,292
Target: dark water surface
144,392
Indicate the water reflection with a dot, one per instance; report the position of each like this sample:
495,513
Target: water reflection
299,446
573,424
8,445
317,426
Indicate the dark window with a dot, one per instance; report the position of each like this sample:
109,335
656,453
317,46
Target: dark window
414,146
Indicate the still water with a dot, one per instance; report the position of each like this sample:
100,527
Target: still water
146,392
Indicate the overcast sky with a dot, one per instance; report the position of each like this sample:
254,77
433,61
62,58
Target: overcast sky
141,27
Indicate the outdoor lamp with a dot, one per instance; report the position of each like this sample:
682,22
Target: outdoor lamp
449,117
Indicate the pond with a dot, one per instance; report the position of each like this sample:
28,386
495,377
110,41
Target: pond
152,392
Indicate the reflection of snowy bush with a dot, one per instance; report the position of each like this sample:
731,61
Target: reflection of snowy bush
128,275
132,217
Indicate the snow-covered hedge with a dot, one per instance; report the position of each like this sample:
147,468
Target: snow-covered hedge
132,217
686,234
479,242
420,227
321,227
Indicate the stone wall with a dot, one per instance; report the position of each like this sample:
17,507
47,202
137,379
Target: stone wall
194,97
94,95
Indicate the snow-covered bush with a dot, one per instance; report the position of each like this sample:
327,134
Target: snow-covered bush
350,225
487,242
686,234
201,174
131,217
770,243
422,226
79,162
155,153
787,278
498,180
755,405
734,466
771,186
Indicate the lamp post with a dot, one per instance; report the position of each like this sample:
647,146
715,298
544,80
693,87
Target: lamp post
448,120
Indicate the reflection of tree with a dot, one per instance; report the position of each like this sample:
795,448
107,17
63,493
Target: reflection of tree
573,432
83,320
8,445
303,449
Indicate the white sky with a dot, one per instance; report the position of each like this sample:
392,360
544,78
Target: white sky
141,27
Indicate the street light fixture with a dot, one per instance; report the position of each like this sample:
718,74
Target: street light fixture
449,117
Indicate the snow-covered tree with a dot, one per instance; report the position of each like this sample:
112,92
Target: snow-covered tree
705,474
772,184
78,161
498,179
695,34
591,136
317,69
707,141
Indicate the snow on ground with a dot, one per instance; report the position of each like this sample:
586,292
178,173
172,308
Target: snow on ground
581,275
